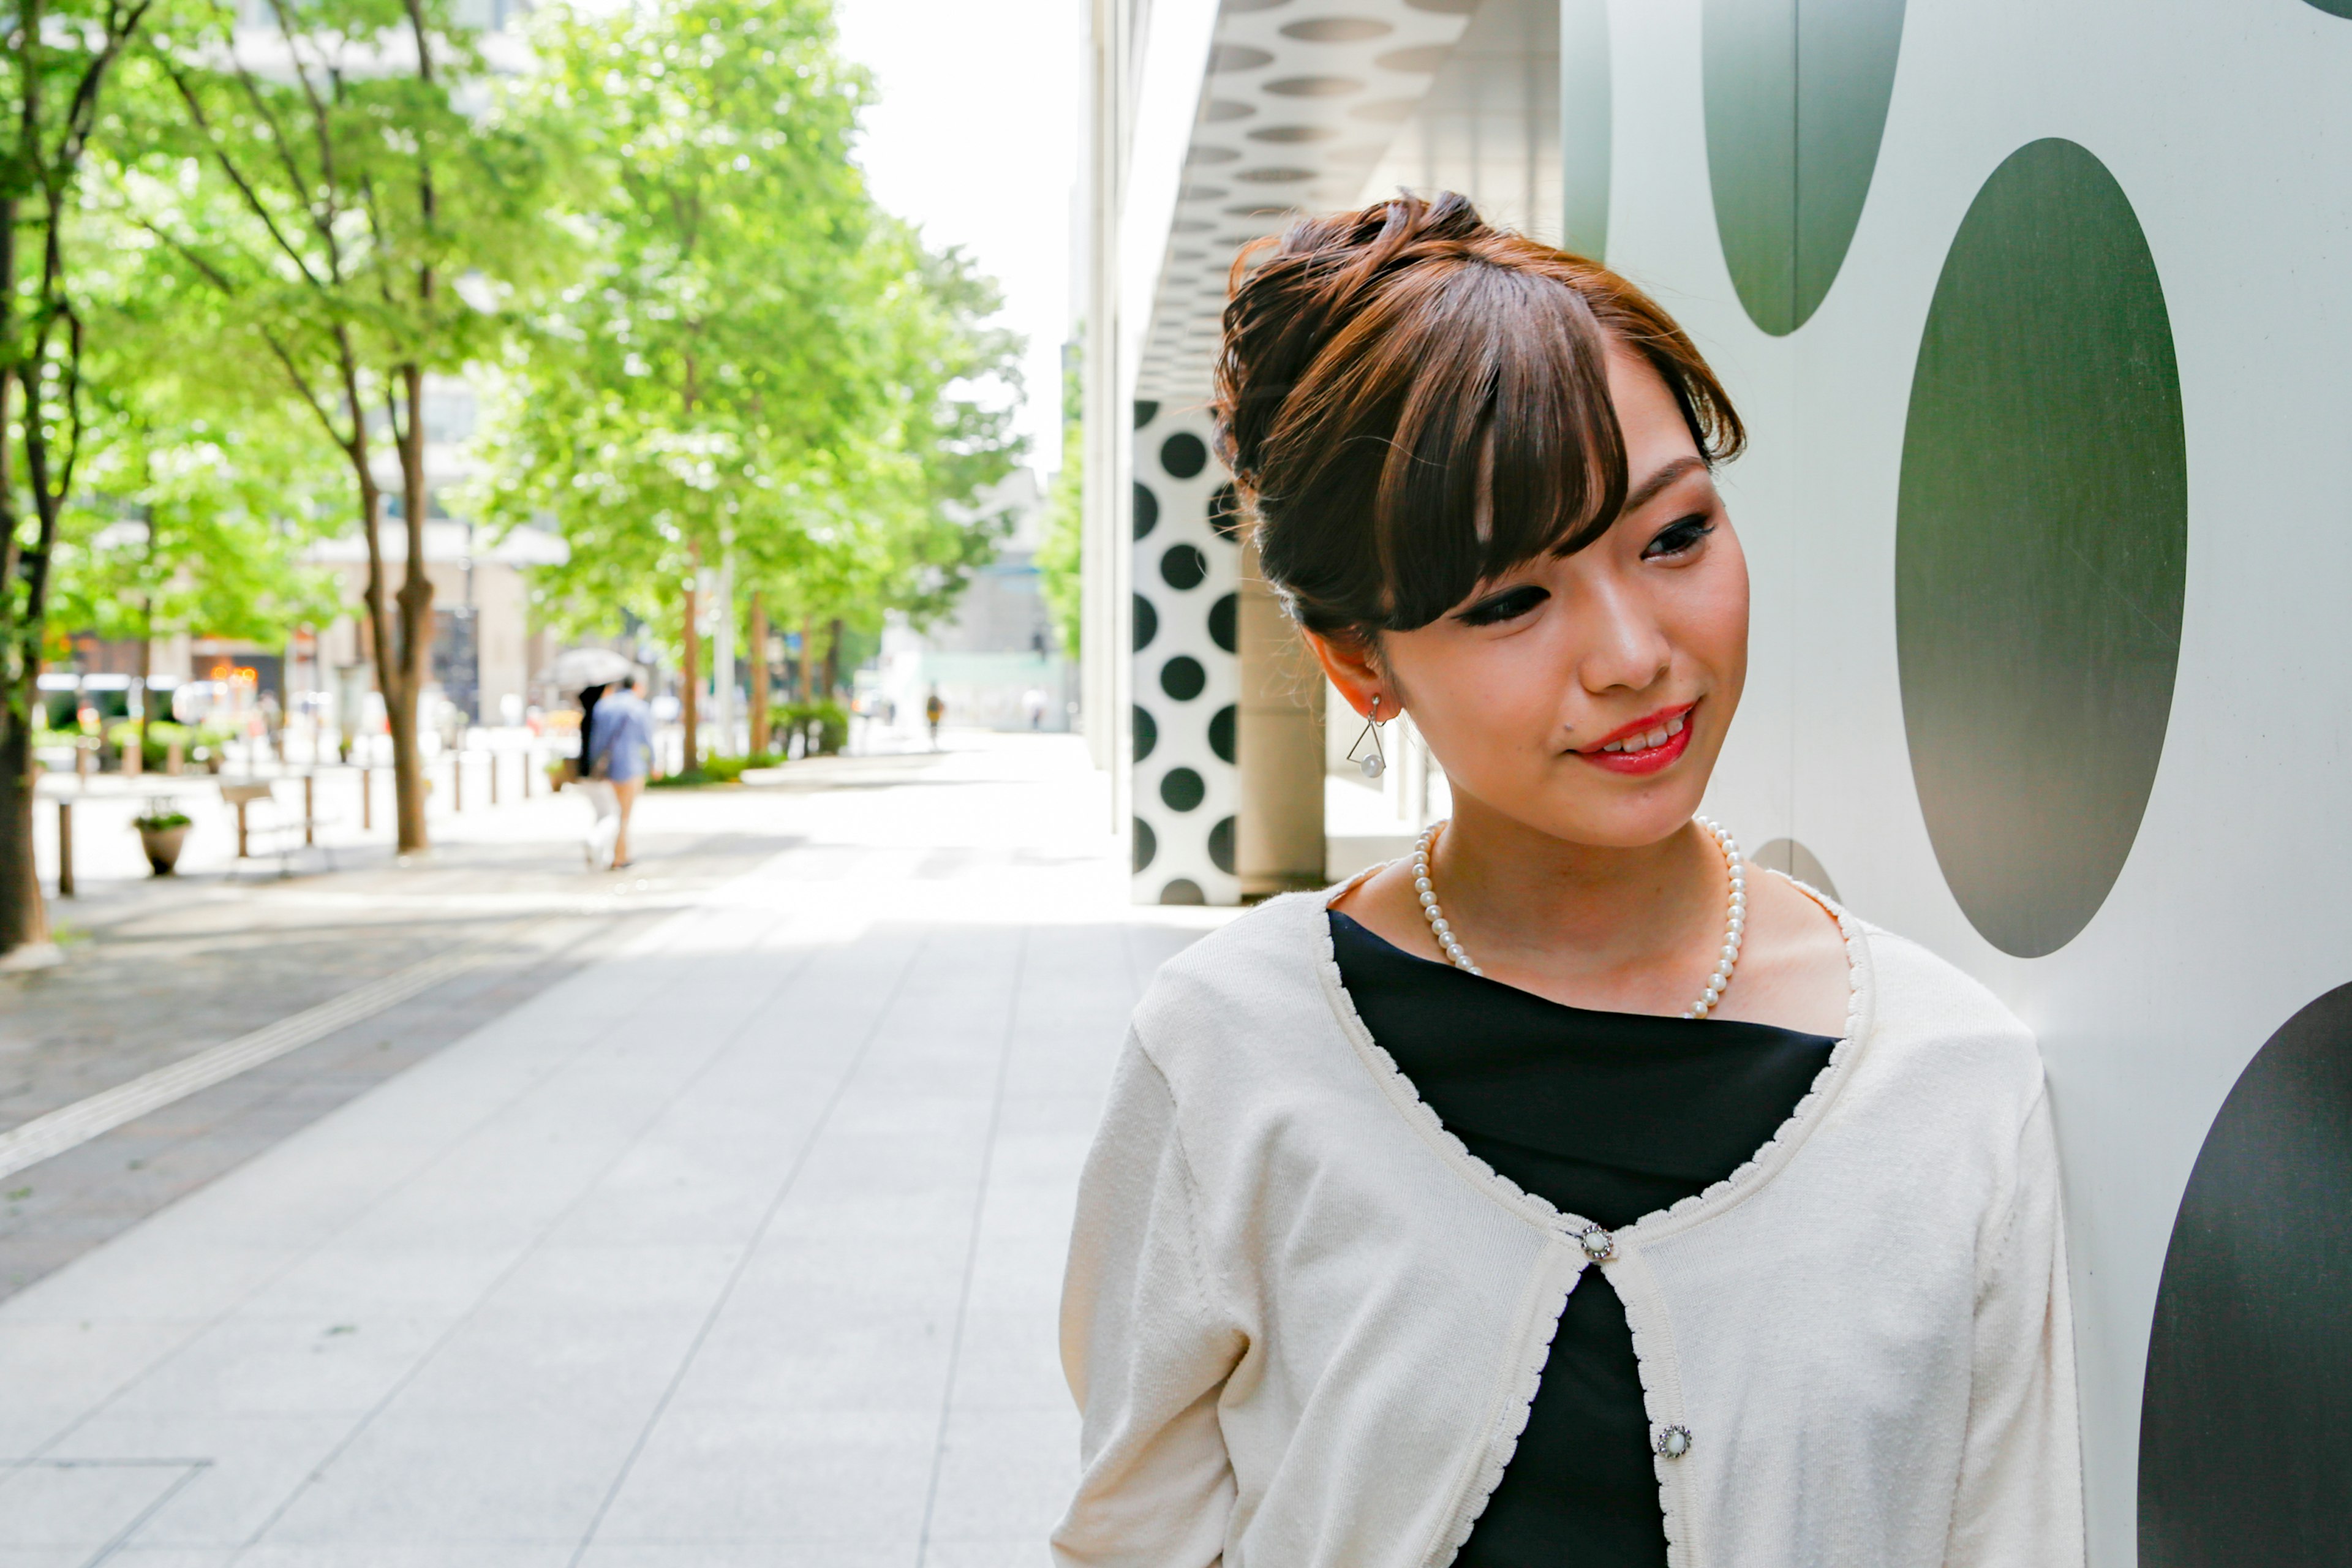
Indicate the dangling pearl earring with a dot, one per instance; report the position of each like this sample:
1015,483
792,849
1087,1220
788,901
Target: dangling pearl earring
1377,763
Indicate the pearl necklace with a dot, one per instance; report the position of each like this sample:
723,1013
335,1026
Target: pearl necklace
1735,919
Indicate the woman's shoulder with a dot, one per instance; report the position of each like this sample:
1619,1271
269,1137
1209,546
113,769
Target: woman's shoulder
1232,1001
1933,1020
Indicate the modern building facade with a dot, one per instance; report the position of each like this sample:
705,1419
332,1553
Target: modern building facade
2038,317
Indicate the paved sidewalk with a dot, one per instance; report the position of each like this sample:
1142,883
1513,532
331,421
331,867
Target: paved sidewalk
740,1244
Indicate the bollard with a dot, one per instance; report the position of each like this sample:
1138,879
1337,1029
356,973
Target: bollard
457,780
172,761
65,849
240,829
82,760
367,798
494,778
309,808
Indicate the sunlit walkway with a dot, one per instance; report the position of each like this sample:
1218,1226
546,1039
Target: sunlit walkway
740,1246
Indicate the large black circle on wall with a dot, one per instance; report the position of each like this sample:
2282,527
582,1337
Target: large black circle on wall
1182,789
1147,844
1147,509
1796,103
1220,731
1145,413
1146,623
2335,7
2042,534
1221,846
1183,566
1146,730
1183,455
1183,891
2245,1432
1183,678
1224,621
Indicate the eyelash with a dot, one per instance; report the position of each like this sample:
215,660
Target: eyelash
1508,605
1689,529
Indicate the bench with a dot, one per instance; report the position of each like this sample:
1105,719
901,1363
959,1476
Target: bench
280,835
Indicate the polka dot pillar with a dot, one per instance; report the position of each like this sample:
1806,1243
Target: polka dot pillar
1187,679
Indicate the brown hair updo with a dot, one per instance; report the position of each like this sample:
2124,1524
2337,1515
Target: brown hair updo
1413,402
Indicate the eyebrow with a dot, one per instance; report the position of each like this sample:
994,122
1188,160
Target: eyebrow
1645,492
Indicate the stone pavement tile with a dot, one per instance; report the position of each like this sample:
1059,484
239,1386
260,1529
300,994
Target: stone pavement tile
556,1280
251,1364
55,1373
752,1554
361,1277
1004,1475
1024,1551
46,1506
810,1356
1010,1361
720,1474
601,1369
44,1556
503,1553
172,1557
256,1463
424,1478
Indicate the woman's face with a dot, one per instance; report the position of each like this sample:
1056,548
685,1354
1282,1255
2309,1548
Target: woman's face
1588,696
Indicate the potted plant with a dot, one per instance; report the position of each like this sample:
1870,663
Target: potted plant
162,828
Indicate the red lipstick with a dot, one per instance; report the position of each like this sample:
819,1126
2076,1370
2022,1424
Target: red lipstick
1636,758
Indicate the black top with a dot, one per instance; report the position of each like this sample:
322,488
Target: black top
1609,1116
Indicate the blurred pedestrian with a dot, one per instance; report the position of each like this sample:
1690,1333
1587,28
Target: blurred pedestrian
1033,703
933,712
619,747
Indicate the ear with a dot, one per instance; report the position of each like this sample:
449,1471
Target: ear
1349,662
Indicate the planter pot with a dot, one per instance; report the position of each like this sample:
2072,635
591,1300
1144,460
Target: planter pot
162,846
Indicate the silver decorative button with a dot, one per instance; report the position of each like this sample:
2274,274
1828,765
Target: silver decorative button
1598,1244
1673,1442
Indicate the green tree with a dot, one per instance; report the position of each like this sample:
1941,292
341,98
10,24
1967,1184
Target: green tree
361,209
762,370
199,485
62,55
1061,554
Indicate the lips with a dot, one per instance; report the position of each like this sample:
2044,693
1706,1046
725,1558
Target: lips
1646,745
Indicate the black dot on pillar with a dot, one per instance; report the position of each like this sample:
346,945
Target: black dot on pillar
1145,413
1221,845
1224,617
1146,734
1225,512
1146,844
1182,789
1183,678
1183,891
1183,455
1183,566
1147,509
1146,623
1220,733
2244,1444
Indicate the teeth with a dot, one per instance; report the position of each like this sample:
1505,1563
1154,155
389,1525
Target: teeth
1650,741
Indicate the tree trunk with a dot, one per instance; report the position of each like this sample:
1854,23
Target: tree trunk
24,914
833,660
759,662
413,652
691,669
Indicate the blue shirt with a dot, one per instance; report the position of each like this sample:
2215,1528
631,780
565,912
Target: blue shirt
621,734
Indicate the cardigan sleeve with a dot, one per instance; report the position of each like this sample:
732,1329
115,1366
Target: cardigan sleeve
1144,1347
2021,1492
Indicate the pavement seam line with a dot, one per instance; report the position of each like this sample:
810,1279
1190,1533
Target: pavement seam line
792,1176
70,1126
972,1246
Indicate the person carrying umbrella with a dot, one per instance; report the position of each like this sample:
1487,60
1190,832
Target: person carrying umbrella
616,746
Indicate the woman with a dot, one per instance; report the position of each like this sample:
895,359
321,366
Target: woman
1569,1192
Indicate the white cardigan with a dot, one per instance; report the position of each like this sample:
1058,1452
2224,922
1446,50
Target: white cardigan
1304,1323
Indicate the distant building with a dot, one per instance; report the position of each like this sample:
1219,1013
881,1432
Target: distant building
996,662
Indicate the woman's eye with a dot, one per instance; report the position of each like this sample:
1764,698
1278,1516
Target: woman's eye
1677,538
1507,606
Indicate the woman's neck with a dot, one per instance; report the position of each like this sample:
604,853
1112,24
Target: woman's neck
1605,926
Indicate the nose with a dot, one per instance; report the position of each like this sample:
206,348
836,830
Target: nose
1621,646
